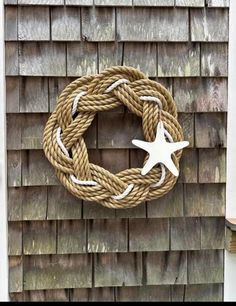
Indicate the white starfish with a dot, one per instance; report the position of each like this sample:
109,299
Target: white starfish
160,150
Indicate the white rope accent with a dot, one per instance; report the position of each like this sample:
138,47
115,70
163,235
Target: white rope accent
87,183
150,98
162,178
59,142
115,84
76,101
123,194
167,134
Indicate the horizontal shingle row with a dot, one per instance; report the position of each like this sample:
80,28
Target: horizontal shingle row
94,236
175,293
31,168
77,59
25,131
55,203
181,3
28,23
116,269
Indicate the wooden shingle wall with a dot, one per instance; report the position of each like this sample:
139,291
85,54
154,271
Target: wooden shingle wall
61,248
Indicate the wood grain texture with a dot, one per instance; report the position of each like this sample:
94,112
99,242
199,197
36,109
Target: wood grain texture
209,25
56,85
113,2
154,3
32,130
62,205
118,130
58,295
100,238
40,2
57,271
11,58
212,233
218,3
204,292
42,59
79,2
171,64
120,269
214,59
14,203
185,234
14,123
103,294
36,169
200,95
81,58
98,24
15,274
205,266
144,294
33,23
65,23
212,166
10,2
152,24
34,203
166,268
138,211
10,23
14,238
186,120
93,210
33,95
14,168
110,159
170,205
139,235
39,237
205,199
71,237
189,166
110,54
142,56
190,3
12,94
210,130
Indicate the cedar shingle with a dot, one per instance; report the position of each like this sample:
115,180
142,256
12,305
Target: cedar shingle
100,238
33,23
98,24
120,269
205,266
14,238
166,268
62,204
71,236
65,23
39,237
140,238
11,58
57,271
42,59
152,24
10,23
170,63
15,274
12,94
209,25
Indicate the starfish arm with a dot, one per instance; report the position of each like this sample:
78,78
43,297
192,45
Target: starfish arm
171,166
141,144
148,166
175,146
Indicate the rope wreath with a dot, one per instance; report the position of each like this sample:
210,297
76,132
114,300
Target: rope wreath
76,108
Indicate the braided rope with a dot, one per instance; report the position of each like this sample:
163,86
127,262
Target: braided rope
76,108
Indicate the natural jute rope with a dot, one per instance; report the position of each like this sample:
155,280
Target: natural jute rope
76,108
